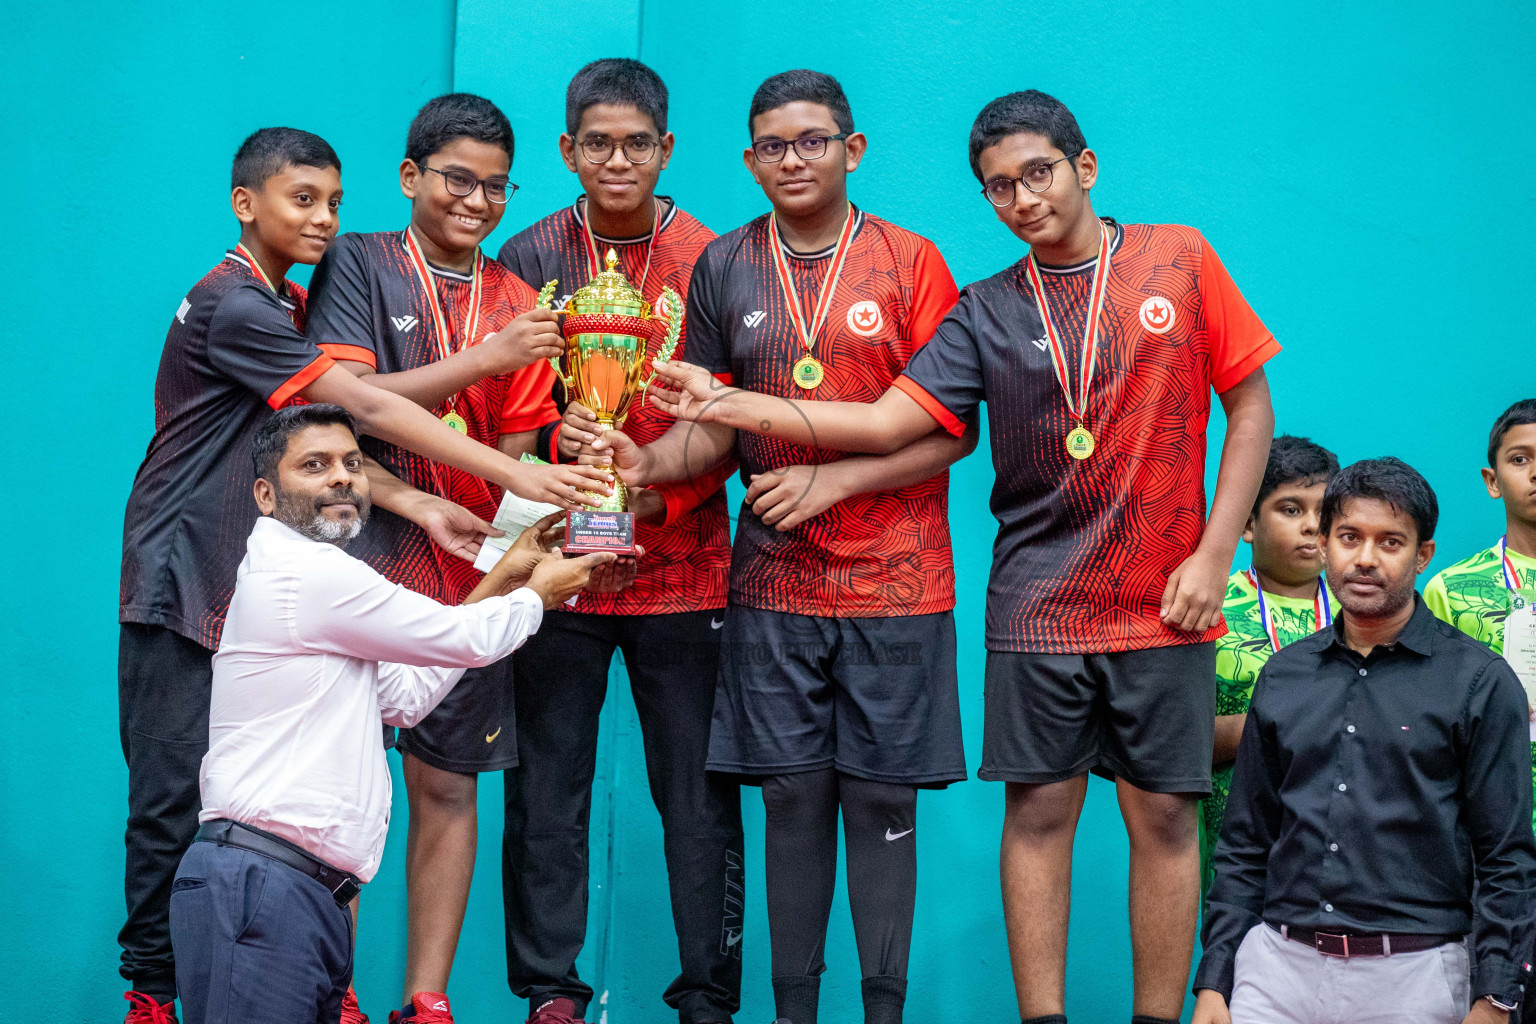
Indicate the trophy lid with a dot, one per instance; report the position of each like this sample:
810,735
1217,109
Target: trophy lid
609,291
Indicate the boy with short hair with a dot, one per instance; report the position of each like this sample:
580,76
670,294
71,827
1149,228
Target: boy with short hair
666,623
1280,598
422,313
842,568
235,350
1484,592
1107,576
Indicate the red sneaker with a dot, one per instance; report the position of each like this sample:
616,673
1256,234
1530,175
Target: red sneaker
148,1010
425,1008
351,1013
559,1010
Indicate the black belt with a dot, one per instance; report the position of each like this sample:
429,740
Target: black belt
342,886
1346,945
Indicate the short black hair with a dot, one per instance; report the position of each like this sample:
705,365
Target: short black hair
1029,112
1520,414
802,85
267,151
457,115
271,441
1385,479
1295,460
618,80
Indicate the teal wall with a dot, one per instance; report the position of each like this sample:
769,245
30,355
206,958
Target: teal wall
1362,169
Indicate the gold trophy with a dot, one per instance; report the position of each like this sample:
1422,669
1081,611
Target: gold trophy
608,328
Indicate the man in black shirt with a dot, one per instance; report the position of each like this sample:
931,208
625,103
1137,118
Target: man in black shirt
1381,771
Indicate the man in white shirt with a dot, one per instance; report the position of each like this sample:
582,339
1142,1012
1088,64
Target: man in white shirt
318,649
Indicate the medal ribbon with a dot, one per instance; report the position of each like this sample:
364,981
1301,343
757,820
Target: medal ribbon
595,262
261,275
1077,406
787,281
1511,574
1322,609
439,318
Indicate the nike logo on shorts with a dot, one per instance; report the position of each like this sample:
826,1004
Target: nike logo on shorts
891,837
715,623
490,737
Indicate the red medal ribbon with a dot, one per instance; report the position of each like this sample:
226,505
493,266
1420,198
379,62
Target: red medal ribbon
261,275
595,262
439,318
787,281
1077,405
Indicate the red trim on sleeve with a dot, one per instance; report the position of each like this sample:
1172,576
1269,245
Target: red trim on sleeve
683,496
932,406
350,353
554,444
724,378
299,381
1235,375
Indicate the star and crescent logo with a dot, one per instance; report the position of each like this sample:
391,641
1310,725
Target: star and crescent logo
1157,315
864,318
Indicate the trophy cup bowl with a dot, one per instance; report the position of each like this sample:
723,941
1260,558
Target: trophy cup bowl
609,328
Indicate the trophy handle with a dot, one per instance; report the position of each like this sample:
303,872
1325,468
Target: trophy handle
546,294
669,343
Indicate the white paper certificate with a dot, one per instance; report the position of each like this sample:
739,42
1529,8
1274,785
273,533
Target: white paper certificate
514,516
1520,643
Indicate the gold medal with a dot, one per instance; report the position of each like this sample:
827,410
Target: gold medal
1079,442
457,422
808,372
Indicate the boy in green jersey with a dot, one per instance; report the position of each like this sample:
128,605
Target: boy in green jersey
1476,594
1278,600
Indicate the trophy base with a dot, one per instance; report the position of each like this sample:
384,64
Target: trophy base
589,530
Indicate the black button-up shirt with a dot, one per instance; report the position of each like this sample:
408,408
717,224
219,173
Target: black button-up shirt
1368,794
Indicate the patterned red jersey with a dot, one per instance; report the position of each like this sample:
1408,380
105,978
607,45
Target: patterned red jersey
880,554
367,305
234,351
1084,548
688,552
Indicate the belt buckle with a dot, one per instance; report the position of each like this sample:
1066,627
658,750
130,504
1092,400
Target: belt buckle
1339,944
346,890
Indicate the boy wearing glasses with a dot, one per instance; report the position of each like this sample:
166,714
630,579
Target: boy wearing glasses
667,623
837,688
422,313
1096,355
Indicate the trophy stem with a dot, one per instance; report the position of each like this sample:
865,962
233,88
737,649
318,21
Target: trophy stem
618,501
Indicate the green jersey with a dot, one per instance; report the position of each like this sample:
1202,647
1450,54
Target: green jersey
1473,596
1240,654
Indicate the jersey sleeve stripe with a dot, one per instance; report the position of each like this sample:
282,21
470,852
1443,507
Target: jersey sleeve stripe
350,353
724,378
932,406
299,381
1255,359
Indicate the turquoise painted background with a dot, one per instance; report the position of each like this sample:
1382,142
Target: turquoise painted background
1363,169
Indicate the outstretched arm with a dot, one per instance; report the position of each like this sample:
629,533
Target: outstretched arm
882,427
785,498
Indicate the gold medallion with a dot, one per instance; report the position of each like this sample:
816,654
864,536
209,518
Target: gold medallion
1079,442
808,372
457,422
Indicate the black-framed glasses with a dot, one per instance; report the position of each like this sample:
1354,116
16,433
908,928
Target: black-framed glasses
1037,177
638,149
461,183
807,147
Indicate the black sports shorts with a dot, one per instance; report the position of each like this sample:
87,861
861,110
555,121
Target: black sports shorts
474,729
875,698
1146,716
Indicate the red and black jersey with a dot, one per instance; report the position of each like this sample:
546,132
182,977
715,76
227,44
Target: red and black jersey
368,306
879,554
233,353
688,552
1084,548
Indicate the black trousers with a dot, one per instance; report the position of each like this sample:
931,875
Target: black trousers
561,677
163,685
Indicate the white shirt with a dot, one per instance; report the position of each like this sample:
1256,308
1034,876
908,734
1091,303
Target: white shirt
317,649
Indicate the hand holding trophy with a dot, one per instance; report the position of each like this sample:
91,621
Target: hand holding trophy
608,328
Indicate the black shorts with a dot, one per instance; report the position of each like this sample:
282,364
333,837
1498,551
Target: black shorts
473,730
877,698
1147,717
